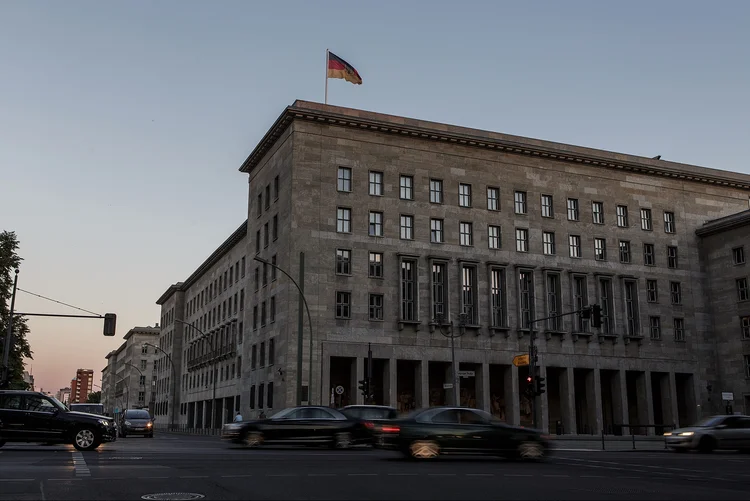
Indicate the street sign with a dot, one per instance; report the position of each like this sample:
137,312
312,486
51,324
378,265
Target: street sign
447,386
727,395
339,390
465,373
521,360
117,410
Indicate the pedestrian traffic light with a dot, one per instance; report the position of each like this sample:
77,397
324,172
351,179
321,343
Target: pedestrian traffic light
596,316
364,387
540,385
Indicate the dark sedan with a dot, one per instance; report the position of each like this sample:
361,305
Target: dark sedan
297,425
428,433
371,417
137,422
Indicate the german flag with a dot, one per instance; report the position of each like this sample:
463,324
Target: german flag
338,68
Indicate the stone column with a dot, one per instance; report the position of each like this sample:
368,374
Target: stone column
598,401
423,392
620,398
359,375
568,400
645,401
483,386
325,381
671,388
512,398
544,403
392,397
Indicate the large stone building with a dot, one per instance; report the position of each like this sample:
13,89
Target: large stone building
129,378
401,222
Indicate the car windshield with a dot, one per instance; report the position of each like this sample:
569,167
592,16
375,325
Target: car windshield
90,408
58,403
284,413
710,421
369,412
137,415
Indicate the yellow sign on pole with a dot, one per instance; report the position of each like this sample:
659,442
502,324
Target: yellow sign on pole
521,360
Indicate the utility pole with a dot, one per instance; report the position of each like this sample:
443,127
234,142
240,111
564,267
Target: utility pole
5,380
369,397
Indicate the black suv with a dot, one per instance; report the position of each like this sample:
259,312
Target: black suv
30,416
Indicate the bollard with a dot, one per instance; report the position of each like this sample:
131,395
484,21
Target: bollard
633,441
602,439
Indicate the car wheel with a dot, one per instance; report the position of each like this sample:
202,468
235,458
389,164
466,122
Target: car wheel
342,440
424,449
706,444
85,439
253,439
531,451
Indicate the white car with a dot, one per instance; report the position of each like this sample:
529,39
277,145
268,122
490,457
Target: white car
715,432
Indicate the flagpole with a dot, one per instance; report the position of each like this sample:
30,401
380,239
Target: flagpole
327,60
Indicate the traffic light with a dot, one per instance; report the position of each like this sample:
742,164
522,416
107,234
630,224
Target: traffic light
110,322
596,316
529,390
364,387
540,385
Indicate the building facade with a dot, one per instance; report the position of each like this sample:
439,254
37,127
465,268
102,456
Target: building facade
63,395
201,341
129,378
81,386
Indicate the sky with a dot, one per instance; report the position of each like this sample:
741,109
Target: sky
123,124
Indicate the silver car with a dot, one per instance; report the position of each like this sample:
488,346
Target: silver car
715,432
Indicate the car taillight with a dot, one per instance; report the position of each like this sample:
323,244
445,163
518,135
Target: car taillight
390,429
369,425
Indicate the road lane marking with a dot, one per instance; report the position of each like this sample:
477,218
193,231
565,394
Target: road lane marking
79,464
441,474
590,476
41,490
403,474
236,476
482,475
516,475
194,476
149,478
321,474
281,474
555,475
63,479
362,474
16,479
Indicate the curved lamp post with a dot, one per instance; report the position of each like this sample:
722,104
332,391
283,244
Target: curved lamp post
299,337
446,329
174,382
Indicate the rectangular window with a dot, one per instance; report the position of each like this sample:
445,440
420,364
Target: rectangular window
679,329
242,299
745,327
600,249
522,240
254,357
574,244
252,397
272,310
493,237
271,351
648,255
519,202
652,291
439,286
646,220
276,188
255,317
269,398
464,195
376,265
631,308
738,255
624,251
548,241
265,274
675,292
376,183
493,198
268,196
231,274
260,204
436,231
573,209
547,207
408,290
469,301
743,294
263,314
376,224
407,227
343,220
345,179
466,232
343,304
376,307
406,187
143,364
597,212
260,396
525,293
607,304
669,226
622,216
262,353
672,256
273,268
257,278
655,328
243,267
580,300
343,262
497,297
275,228
436,191
257,242
553,302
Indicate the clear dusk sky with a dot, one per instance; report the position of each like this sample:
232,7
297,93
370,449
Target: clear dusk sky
123,124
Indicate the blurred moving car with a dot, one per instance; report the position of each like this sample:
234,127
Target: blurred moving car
428,433
715,432
297,425
371,417
136,422
30,416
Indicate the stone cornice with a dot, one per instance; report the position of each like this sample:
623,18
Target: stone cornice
724,224
430,131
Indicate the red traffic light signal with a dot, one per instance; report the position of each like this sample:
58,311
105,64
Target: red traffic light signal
529,379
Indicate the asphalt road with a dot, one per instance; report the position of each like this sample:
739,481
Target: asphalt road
133,467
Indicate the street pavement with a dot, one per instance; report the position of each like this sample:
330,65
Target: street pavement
135,467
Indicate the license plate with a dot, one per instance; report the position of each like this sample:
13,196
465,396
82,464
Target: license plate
138,429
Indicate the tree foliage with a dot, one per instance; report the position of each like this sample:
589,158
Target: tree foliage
20,349
94,398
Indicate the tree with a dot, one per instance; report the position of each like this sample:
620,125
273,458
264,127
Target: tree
94,398
19,349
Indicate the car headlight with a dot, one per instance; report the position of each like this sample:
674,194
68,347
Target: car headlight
127,423
104,423
148,425
668,434
686,434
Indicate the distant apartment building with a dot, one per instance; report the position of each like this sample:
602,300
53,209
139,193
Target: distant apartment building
28,378
63,395
129,378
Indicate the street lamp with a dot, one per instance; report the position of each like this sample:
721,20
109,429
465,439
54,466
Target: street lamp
450,333
300,328
174,382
